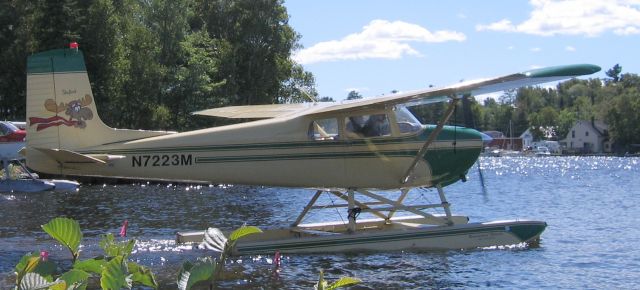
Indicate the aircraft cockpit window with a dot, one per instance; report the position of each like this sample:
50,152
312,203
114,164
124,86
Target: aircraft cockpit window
365,126
324,129
407,122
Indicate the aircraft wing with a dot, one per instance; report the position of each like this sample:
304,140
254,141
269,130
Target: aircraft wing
412,98
474,87
254,111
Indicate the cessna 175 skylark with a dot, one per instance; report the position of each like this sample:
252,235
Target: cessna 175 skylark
347,149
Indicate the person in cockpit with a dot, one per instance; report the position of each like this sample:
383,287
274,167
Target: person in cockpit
377,125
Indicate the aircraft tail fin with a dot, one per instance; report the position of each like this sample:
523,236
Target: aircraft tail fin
61,108
61,112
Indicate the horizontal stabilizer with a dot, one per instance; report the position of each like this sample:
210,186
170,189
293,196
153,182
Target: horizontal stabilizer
66,156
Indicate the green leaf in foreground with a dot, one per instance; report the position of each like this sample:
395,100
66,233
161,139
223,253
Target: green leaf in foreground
67,232
75,279
142,275
31,263
243,231
26,265
190,274
343,282
113,248
113,275
94,265
33,281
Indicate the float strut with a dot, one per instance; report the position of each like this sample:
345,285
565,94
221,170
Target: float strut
445,204
352,205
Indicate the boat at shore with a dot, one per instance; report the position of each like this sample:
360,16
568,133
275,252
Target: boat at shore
16,177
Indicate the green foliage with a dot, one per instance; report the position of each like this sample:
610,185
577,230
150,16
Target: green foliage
113,275
614,72
113,248
93,265
215,240
354,95
622,115
26,265
114,270
34,281
75,279
192,273
142,275
67,232
243,232
144,57
342,282
31,266
555,111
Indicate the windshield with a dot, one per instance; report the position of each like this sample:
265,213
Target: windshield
407,122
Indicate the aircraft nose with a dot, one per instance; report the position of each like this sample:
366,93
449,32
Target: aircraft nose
451,164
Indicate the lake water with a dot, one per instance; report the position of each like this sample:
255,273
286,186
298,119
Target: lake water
590,203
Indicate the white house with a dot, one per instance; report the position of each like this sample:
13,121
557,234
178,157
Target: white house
527,139
588,137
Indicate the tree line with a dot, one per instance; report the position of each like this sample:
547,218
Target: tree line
152,62
551,112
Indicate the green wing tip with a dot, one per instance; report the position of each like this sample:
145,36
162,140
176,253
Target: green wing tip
563,71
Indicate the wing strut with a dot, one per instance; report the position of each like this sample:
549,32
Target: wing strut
432,137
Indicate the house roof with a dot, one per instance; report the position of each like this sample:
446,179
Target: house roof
597,125
494,134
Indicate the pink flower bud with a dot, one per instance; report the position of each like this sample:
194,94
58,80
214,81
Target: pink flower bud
276,259
123,230
44,256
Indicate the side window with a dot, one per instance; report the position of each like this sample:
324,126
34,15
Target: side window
364,126
324,129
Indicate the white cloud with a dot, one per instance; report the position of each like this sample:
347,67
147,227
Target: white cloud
575,17
511,47
495,95
502,25
378,39
535,49
570,48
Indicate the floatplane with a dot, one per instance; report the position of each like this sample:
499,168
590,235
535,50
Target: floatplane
348,150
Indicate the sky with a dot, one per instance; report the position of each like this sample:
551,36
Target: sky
376,46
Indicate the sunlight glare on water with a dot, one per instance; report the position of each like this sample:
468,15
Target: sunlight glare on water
589,203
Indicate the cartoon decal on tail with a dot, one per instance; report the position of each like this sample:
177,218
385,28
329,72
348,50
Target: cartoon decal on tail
76,110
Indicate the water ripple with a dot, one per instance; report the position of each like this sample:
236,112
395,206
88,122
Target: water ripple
590,204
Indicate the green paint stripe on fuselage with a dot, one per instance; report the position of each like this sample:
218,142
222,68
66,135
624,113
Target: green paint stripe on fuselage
277,157
333,155
271,146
